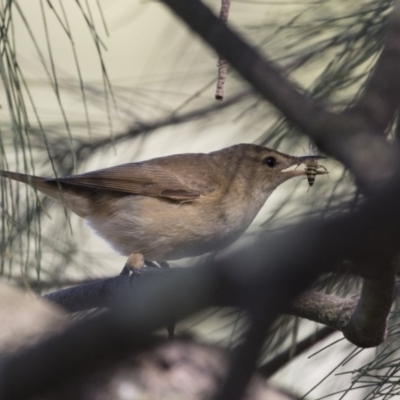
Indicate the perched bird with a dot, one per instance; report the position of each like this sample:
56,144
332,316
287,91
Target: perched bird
173,207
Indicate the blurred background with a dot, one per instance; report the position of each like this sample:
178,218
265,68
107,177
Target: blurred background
91,84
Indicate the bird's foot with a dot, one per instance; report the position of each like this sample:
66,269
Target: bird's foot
134,263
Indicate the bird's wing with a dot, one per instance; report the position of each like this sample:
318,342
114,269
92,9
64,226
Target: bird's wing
144,179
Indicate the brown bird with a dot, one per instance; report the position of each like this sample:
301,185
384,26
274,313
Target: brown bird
173,207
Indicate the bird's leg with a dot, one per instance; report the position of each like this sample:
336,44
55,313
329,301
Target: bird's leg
134,263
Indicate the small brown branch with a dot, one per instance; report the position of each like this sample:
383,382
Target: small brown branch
327,309
368,324
222,72
222,62
362,319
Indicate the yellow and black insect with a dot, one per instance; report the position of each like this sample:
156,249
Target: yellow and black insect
312,166
311,169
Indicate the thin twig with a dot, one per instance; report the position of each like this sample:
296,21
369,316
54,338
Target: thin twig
222,62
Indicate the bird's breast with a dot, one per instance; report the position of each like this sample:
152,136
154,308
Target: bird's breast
165,230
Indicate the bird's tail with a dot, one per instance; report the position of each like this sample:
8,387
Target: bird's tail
29,179
53,189
39,183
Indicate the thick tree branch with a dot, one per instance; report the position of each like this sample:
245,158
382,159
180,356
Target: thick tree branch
103,293
327,309
97,294
361,318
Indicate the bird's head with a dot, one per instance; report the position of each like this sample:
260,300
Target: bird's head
267,168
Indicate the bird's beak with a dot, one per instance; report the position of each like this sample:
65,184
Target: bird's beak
297,161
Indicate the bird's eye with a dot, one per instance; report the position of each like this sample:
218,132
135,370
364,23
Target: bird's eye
270,161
